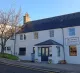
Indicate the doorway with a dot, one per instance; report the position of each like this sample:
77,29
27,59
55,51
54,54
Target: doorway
44,53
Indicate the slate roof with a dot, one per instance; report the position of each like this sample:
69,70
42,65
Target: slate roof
62,21
48,42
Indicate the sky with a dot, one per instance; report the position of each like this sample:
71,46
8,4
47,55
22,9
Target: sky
39,9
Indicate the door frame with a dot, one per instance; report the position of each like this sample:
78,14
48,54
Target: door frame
44,52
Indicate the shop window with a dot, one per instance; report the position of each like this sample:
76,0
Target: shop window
73,50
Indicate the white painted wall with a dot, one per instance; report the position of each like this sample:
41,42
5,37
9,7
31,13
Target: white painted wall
30,41
72,59
10,43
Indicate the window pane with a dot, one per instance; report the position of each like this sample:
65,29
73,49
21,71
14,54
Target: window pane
24,37
8,48
50,51
43,51
34,50
71,31
58,50
46,51
35,35
51,33
21,37
39,51
22,51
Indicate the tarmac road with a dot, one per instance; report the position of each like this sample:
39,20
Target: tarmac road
13,69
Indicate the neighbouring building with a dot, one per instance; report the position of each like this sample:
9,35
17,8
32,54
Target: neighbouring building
56,38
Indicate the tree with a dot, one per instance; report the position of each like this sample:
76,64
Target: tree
9,21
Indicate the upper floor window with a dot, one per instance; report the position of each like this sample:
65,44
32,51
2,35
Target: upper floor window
35,35
21,37
51,33
24,37
71,31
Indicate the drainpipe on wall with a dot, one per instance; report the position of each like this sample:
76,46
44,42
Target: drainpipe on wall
63,42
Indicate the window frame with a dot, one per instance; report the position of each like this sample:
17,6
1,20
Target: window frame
33,50
36,35
51,32
8,48
20,52
21,36
71,31
39,51
50,51
58,51
24,37
73,51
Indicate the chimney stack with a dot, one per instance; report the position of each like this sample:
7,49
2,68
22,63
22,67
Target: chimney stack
26,18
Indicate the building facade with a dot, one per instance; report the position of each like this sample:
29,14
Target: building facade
55,39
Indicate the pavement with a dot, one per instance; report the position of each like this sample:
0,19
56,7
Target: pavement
55,68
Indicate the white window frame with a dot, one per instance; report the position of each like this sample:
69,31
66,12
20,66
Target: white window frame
71,33
24,36
21,36
51,32
36,35
58,51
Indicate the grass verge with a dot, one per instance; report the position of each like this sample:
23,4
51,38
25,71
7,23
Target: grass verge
8,56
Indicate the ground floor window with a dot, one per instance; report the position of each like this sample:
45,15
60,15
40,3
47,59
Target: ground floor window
34,50
8,48
22,51
58,51
50,51
39,51
73,50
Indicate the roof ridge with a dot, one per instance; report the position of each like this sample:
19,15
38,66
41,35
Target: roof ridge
55,17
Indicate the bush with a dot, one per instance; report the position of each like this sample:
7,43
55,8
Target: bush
50,61
9,56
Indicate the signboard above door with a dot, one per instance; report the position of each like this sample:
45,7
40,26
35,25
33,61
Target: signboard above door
72,41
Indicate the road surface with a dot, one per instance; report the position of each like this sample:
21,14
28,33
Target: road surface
13,69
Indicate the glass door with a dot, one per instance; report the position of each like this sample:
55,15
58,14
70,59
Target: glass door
44,53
